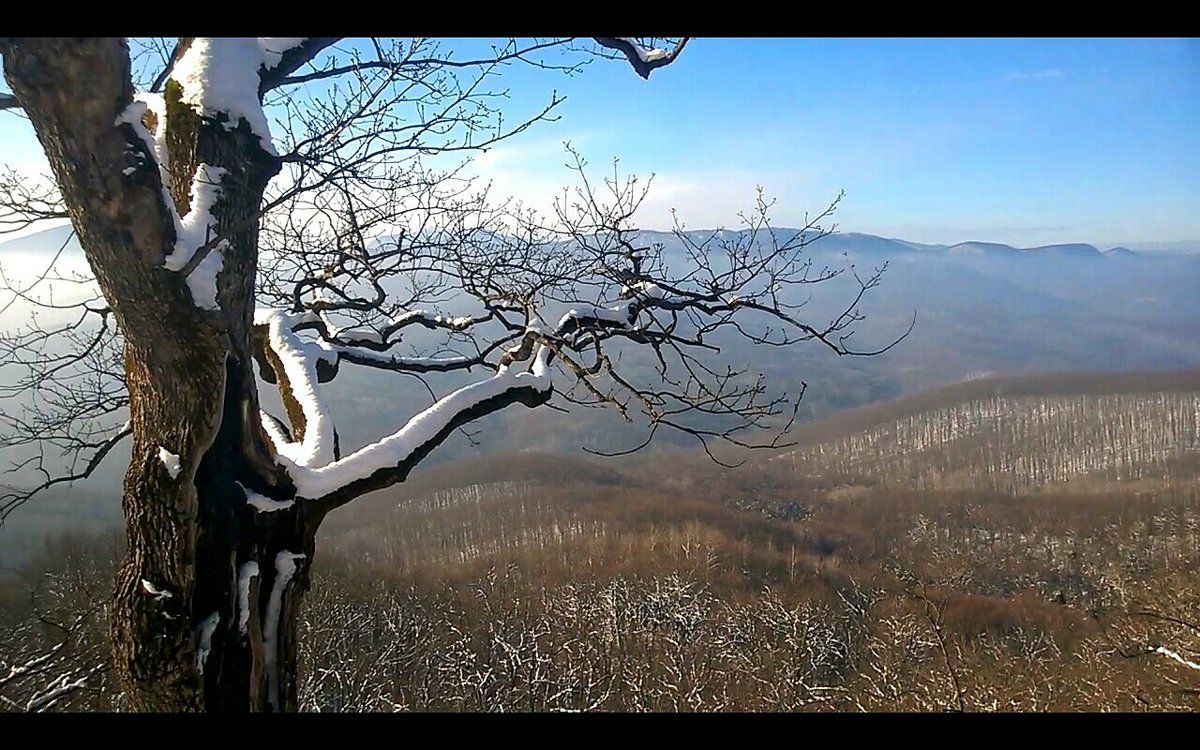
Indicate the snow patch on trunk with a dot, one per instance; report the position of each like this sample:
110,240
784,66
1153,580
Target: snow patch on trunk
199,226
157,593
285,567
196,230
204,632
170,461
246,572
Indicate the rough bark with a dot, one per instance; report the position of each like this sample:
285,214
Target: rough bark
191,385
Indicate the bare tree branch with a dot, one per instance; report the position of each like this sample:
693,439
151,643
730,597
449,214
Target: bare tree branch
644,59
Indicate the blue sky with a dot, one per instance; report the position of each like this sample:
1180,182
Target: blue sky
1025,141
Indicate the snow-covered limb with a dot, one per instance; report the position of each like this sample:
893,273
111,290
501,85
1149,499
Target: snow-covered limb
383,339
406,364
434,320
299,359
355,335
366,345
644,60
264,504
645,54
34,664
645,289
274,429
274,48
422,429
57,690
623,315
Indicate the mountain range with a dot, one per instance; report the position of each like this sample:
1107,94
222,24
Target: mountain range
980,308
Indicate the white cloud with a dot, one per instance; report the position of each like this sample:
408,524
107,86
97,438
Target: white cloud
712,198
1021,75
535,172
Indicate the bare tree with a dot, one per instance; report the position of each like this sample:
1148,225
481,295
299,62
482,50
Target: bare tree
334,238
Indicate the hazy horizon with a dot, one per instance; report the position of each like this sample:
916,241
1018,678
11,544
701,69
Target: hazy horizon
1176,246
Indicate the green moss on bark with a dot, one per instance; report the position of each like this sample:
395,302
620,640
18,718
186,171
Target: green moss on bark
183,131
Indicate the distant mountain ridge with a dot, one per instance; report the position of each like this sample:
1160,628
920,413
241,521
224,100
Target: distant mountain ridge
979,307
48,241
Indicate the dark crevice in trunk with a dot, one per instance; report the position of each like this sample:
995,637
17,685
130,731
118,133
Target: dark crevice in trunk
233,533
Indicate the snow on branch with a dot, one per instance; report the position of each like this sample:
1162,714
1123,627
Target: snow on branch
221,76
36,682
299,363
582,285
59,689
264,504
383,338
311,461
644,60
426,429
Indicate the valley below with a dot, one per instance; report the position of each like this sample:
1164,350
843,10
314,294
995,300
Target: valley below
999,544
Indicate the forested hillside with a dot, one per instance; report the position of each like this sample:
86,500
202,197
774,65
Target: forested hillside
1002,544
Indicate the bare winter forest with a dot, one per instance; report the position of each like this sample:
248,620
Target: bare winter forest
1005,544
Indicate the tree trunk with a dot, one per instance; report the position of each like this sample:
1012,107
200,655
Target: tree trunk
208,596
